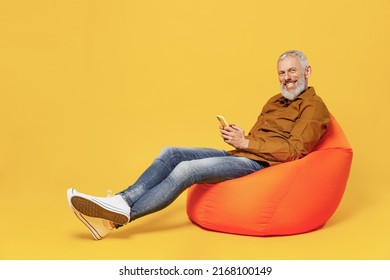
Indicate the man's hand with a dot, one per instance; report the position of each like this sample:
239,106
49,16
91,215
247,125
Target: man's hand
234,136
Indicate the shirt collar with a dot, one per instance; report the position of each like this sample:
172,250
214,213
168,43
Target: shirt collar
310,92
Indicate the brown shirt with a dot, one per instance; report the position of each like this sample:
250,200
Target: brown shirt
287,130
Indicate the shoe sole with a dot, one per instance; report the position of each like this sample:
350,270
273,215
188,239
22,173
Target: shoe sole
94,209
95,233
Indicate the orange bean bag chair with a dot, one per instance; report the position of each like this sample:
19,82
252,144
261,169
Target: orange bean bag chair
284,199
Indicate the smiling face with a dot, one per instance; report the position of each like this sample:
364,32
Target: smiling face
292,76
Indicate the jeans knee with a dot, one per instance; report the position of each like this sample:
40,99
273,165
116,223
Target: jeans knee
184,167
167,150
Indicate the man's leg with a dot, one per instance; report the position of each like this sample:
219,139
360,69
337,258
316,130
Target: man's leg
187,173
162,166
117,208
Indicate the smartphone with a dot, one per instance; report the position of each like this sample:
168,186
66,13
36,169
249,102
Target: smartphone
222,120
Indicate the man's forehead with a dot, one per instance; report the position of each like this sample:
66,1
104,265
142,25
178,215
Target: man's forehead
289,62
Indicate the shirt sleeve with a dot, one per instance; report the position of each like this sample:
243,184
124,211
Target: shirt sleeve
304,136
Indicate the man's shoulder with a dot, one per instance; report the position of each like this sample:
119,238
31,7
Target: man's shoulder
312,100
311,95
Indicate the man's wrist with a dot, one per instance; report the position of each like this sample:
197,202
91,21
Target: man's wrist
245,144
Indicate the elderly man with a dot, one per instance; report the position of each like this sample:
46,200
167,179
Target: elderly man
289,127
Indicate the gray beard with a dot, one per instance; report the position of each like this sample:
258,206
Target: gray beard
292,95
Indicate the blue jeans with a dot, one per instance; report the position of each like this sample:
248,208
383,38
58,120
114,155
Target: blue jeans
176,169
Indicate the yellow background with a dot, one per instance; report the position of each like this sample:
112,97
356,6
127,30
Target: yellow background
90,91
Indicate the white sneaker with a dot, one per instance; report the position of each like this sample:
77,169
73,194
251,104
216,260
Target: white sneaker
98,227
114,208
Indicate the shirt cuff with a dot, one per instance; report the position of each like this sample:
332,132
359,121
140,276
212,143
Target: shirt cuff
253,146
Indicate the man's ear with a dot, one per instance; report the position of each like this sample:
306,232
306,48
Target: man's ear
308,72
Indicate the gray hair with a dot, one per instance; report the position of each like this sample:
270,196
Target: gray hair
299,54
